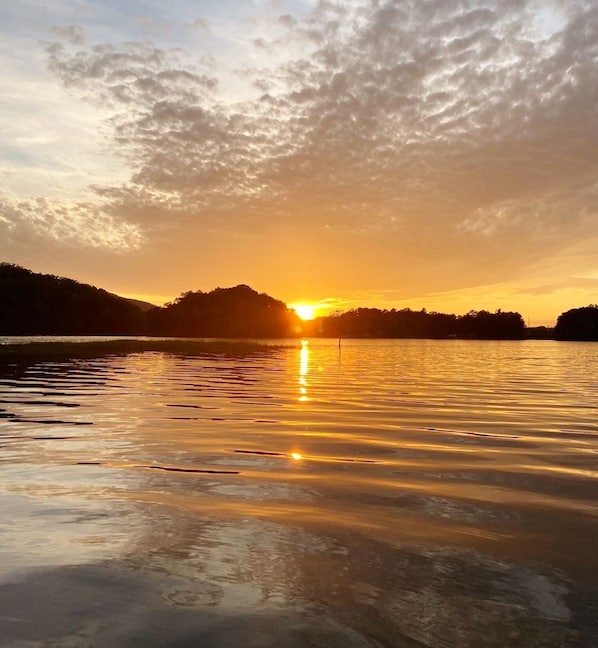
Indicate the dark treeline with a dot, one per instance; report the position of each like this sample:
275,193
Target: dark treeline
224,312
38,304
372,322
578,324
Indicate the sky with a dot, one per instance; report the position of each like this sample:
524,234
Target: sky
438,154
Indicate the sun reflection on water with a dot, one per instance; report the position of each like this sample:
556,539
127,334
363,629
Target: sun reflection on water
421,481
303,370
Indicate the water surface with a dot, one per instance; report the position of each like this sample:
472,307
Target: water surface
387,493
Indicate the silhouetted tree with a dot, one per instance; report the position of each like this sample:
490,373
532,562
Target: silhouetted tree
406,323
496,326
539,333
37,304
579,324
224,312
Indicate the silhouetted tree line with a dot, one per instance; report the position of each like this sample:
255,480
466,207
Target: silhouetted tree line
579,324
540,333
38,304
406,323
224,312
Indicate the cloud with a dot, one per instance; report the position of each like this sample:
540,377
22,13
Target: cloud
74,34
69,223
287,21
445,135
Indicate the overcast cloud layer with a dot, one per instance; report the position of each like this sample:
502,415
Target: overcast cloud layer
415,152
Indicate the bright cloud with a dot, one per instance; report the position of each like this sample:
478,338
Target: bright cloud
69,223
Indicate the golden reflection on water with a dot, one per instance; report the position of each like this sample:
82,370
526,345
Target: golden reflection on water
303,371
471,463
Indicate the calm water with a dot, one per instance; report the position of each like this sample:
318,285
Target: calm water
390,493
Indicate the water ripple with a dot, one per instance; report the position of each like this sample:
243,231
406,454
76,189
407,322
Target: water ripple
417,484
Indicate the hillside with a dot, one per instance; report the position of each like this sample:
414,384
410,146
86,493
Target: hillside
233,312
142,305
41,304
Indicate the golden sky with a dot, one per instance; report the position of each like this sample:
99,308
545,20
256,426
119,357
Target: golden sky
406,153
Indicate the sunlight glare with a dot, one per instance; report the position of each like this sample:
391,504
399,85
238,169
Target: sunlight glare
296,456
304,311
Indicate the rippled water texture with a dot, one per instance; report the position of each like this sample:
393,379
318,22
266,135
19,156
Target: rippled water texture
387,493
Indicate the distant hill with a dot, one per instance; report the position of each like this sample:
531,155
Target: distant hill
233,312
41,304
405,323
142,305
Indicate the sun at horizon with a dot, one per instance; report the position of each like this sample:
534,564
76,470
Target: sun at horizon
305,311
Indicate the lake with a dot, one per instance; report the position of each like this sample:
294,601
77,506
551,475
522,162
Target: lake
400,493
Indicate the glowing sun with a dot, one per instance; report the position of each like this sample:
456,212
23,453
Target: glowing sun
305,311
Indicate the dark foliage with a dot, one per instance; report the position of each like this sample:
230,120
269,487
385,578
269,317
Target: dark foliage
375,323
39,304
540,333
579,324
238,312
496,326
